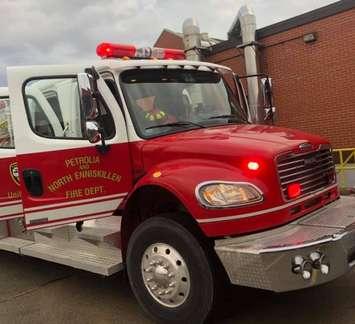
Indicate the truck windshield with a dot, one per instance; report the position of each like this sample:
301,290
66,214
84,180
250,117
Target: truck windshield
164,101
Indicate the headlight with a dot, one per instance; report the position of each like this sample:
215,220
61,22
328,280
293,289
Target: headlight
227,194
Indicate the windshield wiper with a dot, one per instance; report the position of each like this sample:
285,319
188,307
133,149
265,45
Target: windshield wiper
223,116
178,123
231,117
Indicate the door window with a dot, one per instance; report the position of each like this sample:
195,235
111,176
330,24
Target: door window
53,107
6,131
54,110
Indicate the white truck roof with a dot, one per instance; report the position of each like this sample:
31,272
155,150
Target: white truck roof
117,64
4,91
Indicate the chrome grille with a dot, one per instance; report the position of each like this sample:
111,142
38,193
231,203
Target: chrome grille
313,171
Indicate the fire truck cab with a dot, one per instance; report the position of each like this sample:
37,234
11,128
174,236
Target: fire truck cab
152,165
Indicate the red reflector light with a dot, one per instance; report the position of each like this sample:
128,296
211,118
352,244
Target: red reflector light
294,190
253,166
107,50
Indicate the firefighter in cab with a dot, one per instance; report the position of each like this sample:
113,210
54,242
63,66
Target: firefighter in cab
152,113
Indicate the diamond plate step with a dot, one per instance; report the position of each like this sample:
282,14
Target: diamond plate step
13,244
98,234
78,244
3,229
91,262
99,230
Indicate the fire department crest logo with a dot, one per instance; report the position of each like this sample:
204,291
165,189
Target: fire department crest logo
14,173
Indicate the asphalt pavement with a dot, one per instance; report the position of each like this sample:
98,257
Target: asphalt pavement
38,292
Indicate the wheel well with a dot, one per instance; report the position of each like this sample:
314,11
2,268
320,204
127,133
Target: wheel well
151,201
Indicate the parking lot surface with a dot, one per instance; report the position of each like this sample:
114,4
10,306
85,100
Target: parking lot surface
34,291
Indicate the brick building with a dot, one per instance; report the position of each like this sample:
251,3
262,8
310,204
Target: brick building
314,83
170,39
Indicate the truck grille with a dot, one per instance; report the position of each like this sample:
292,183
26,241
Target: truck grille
313,171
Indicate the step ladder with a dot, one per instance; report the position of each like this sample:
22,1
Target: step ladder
95,249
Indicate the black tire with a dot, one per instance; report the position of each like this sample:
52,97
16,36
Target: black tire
199,303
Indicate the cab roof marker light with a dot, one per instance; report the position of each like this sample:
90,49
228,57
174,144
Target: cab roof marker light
111,50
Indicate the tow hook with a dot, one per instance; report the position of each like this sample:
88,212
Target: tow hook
306,265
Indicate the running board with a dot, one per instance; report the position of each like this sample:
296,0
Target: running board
93,261
13,244
105,230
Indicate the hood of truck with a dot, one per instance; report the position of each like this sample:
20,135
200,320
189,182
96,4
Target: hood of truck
183,161
222,142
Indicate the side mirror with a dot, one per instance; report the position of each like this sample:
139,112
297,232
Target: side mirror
93,132
270,110
87,98
270,114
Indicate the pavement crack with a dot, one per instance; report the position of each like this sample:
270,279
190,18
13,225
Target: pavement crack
33,290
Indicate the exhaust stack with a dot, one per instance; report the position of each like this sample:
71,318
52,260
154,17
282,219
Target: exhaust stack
192,39
245,22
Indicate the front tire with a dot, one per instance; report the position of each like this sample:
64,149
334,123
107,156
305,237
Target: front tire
170,273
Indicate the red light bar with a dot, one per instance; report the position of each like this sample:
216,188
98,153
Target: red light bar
168,53
107,50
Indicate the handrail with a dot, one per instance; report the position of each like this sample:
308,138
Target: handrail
345,160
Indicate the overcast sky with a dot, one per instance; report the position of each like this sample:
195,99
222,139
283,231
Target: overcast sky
57,31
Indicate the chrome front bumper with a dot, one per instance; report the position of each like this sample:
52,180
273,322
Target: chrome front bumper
313,250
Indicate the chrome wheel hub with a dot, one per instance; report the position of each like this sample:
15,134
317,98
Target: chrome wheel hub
165,275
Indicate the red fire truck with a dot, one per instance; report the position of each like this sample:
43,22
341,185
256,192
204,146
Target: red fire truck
147,162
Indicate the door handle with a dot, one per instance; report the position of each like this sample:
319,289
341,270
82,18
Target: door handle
33,182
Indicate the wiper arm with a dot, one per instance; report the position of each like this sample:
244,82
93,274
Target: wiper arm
234,117
224,116
178,123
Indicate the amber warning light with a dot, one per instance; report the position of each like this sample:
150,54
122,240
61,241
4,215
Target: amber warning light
110,50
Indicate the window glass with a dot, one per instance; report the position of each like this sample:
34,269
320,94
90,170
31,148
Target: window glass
52,98
166,101
111,84
6,131
53,107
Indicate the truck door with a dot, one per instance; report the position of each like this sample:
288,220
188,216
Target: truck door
64,178
10,196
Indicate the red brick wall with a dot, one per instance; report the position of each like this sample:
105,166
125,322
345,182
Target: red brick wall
314,84
169,40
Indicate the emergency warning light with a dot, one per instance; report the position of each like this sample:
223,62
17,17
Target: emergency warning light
253,166
111,50
294,190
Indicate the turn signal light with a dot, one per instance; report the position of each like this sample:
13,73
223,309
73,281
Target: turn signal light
294,190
